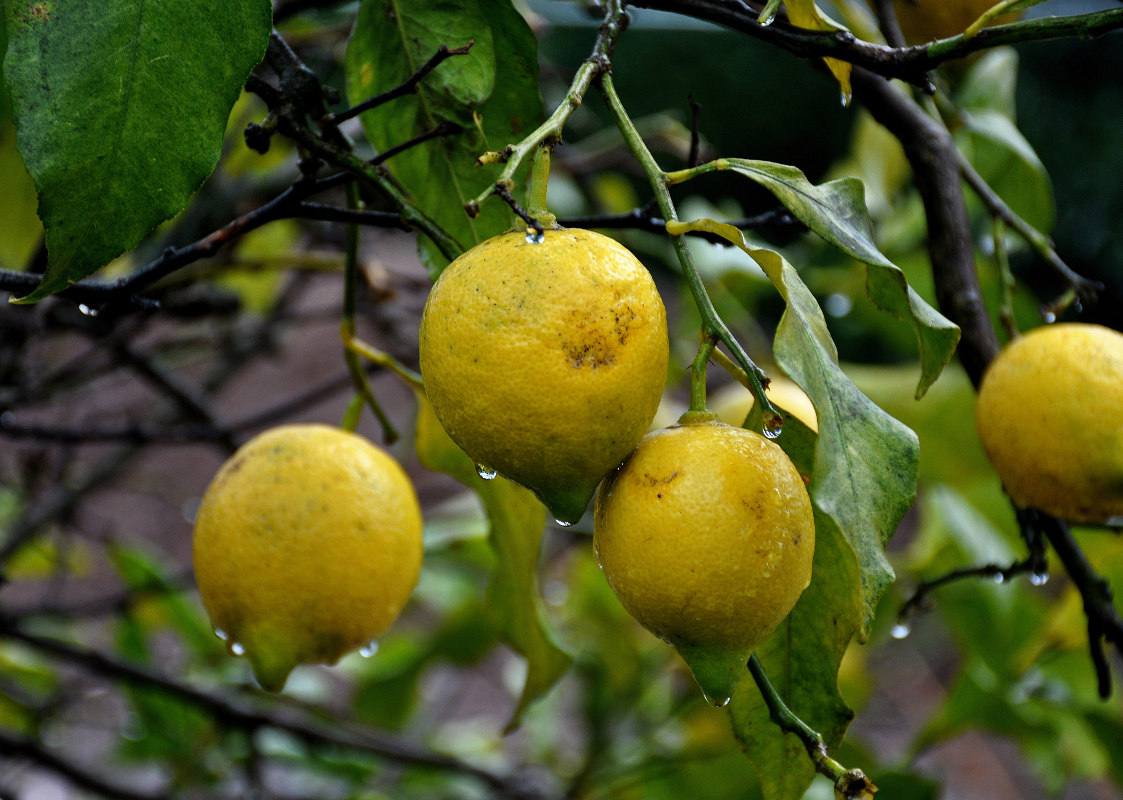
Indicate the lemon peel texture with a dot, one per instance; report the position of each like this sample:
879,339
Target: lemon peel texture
307,545
706,535
545,361
1050,417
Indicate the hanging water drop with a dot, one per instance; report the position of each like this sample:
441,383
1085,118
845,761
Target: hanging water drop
562,523
999,577
221,634
87,310
487,473
236,648
901,630
1039,577
1049,316
368,649
534,237
773,424
716,702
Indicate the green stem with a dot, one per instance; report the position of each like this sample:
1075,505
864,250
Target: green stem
550,131
712,324
539,180
347,330
1009,284
698,372
850,783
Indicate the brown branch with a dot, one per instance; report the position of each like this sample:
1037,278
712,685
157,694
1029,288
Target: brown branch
236,714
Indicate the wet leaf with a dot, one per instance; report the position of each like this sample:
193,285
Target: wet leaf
120,108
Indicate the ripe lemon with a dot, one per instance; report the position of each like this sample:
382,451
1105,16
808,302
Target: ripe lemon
1050,417
307,545
545,361
924,20
733,403
706,534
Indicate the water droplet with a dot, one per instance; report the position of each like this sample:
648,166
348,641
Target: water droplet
87,310
221,634
837,304
846,98
236,648
998,577
768,20
773,425
368,649
1049,316
716,702
1039,578
1077,306
487,473
534,237
901,630
562,523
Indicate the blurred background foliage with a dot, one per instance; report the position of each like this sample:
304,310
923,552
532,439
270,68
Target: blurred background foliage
987,694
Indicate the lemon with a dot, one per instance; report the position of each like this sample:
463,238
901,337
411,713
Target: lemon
706,535
733,403
1050,417
307,545
924,20
545,361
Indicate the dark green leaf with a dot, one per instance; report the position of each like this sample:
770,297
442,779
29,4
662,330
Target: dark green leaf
491,93
121,108
836,211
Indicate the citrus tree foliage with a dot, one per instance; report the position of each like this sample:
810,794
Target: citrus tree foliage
189,189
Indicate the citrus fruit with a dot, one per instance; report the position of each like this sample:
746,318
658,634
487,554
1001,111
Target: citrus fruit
706,534
733,403
1050,417
545,361
306,546
924,20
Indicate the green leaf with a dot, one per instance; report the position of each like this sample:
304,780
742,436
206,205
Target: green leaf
516,520
491,93
806,14
837,212
802,659
866,462
121,107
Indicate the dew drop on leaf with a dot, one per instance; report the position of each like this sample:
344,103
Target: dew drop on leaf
901,630
368,649
1039,578
562,523
999,578
716,702
486,473
236,648
221,634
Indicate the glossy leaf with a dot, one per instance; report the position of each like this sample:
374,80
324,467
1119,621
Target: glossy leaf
121,107
516,519
866,462
836,211
491,93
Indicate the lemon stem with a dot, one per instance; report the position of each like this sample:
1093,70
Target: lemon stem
698,372
539,180
712,324
347,329
849,783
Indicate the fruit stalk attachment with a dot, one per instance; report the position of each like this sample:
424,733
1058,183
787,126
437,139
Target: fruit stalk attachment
849,784
712,324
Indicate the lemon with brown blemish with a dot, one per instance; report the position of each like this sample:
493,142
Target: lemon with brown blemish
307,545
545,360
706,535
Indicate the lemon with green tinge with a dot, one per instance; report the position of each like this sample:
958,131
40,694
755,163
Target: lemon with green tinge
307,546
545,361
706,535
1050,417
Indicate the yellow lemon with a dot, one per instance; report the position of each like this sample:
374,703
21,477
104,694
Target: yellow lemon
1050,417
706,535
307,545
733,403
924,20
545,361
